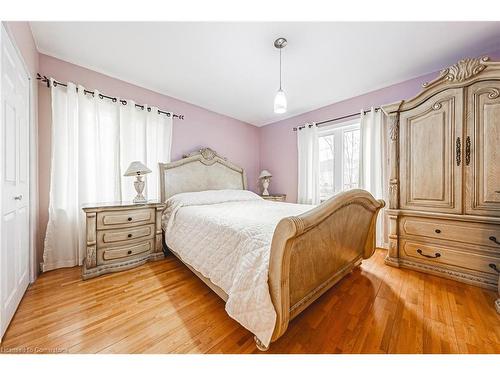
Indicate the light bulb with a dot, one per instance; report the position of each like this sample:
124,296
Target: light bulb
280,102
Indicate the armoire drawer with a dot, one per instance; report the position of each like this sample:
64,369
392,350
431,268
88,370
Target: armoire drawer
115,254
447,256
450,230
114,236
125,218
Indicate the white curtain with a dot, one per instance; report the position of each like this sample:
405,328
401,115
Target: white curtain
371,165
93,142
308,164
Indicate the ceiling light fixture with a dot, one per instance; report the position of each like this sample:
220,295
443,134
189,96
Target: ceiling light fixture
280,98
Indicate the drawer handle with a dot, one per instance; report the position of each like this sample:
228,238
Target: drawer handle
129,252
129,235
494,239
438,231
129,219
437,255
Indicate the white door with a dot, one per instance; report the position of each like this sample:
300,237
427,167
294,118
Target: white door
14,185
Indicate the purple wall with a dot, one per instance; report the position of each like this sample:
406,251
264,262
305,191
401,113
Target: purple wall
278,142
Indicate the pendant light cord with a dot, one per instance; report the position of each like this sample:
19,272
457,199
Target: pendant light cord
280,68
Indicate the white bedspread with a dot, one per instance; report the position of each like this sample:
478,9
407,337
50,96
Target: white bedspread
226,236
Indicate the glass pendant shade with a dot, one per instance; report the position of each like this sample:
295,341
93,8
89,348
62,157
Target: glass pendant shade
280,102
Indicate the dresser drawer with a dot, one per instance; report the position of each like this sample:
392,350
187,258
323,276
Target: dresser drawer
457,231
114,236
442,255
115,254
125,218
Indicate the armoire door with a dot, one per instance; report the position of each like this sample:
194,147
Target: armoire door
482,149
14,177
431,154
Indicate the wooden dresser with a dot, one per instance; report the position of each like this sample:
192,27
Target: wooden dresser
275,197
444,184
121,236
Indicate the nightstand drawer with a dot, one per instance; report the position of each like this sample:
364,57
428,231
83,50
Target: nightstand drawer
125,218
111,236
108,255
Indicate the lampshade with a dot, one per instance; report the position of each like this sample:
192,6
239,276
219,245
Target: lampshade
136,168
280,102
265,173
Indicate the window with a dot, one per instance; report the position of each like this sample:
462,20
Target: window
338,158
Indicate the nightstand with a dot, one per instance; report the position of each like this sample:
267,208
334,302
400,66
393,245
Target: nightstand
121,235
275,197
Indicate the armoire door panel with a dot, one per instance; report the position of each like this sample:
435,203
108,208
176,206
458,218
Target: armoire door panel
427,160
429,168
483,164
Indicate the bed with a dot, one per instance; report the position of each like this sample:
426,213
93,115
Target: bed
268,260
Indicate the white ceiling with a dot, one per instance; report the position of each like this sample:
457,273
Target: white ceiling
232,68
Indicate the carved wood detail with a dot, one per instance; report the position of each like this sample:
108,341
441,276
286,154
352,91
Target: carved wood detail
394,157
90,259
461,71
394,128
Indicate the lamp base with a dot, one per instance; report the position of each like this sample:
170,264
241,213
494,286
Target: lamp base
265,185
139,199
139,188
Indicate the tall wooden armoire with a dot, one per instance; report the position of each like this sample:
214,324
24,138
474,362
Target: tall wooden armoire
444,187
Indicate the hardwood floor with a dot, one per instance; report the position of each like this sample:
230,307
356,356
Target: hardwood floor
162,307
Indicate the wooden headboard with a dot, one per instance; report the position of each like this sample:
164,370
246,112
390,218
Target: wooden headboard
198,171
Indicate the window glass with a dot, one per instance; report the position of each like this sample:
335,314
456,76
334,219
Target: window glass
339,148
326,163
351,159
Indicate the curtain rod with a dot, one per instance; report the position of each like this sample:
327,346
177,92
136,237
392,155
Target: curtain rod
335,119
45,80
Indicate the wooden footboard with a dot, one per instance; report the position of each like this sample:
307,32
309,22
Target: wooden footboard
313,251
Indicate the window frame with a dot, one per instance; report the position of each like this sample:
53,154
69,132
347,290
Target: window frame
337,130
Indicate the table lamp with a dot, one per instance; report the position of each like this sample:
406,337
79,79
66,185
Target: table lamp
265,177
137,169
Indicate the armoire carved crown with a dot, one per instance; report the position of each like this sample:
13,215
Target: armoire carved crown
461,71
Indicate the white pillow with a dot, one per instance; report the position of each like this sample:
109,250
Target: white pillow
212,197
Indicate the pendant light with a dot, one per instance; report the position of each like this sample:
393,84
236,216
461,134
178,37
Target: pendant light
280,98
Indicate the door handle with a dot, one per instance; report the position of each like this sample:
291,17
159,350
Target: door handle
18,197
467,151
458,151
